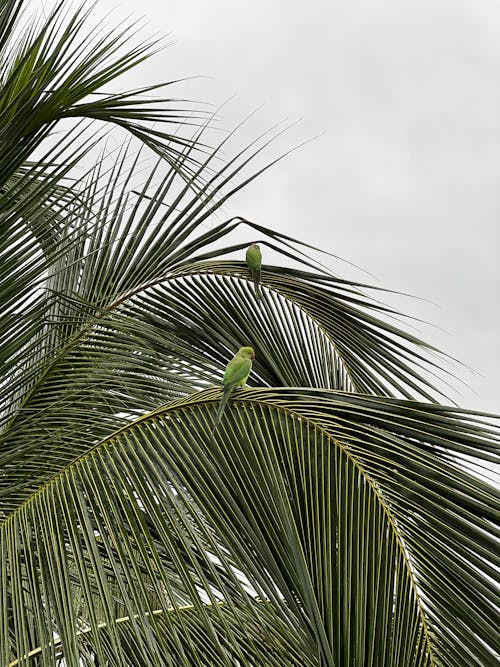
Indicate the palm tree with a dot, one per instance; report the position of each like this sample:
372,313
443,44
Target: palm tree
340,514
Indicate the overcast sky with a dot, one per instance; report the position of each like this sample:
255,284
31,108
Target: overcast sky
405,180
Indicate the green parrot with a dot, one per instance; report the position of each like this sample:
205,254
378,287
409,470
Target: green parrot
254,262
236,375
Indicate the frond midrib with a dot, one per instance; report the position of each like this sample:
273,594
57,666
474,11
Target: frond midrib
123,619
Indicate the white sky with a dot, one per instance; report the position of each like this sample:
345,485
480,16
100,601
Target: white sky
405,180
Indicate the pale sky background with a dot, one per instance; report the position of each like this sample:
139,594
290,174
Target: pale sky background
405,180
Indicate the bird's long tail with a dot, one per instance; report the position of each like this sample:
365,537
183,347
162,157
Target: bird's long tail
256,283
220,410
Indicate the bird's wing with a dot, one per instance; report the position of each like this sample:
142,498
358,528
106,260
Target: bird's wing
254,259
237,370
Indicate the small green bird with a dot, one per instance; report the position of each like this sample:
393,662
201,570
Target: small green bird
236,375
254,262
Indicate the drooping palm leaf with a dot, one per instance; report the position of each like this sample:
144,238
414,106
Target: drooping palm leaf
49,74
320,500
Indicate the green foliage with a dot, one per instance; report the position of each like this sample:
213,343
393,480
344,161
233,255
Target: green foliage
339,515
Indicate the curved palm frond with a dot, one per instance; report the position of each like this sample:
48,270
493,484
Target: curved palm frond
317,502
252,640
313,329
49,73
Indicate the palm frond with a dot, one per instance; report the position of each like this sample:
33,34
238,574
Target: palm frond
47,74
350,516
53,73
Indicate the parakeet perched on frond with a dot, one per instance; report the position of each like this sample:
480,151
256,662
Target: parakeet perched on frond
236,375
254,262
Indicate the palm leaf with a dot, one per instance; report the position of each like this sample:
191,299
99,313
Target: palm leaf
324,502
46,215
52,73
